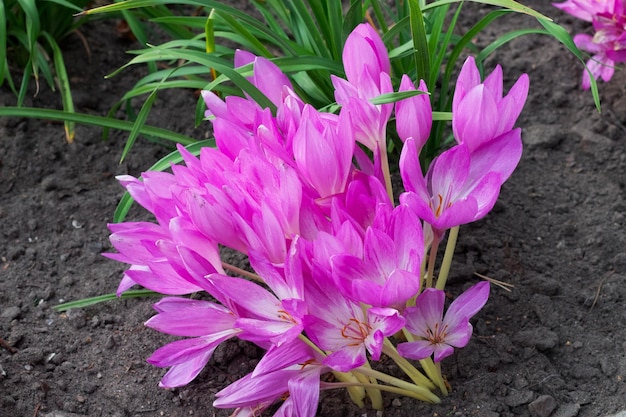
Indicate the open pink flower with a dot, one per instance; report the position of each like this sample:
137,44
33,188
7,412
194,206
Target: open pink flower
460,186
608,43
341,327
438,334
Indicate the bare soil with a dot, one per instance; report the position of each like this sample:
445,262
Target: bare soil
553,346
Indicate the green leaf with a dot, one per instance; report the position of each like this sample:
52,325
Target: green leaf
86,302
4,64
393,97
420,42
508,4
64,85
104,122
139,123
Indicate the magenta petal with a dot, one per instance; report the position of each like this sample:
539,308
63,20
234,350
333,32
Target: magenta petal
442,351
304,390
473,122
193,320
427,311
414,116
270,79
182,374
400,286
470,302
417,350
347,358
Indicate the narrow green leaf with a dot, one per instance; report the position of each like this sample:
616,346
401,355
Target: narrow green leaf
420,42
353,17
210,61
442,115
88,119
139,123
65,3
64,85
508,4
4,65
86,302
393,97
380,17
253,44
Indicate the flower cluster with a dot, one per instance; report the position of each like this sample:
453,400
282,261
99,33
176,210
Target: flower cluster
608,44
306,196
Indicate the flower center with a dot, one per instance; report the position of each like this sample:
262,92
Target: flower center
438,334
356,330
441,205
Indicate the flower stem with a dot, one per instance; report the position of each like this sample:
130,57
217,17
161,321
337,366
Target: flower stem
428,396
433,372
447,258
388,388
371,388
384,163
242,272
411,371
432,258
355,388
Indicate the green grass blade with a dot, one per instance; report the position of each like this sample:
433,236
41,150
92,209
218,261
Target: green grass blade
380,17
86,302
420,42
4,65
393,97
508,4
67,4
507,37
252,43
139,123
353,17
127,201
88,119
210,61
64,85
309,33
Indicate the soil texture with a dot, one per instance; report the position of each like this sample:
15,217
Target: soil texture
555,345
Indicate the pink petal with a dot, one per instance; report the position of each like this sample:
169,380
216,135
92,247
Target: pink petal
414,116
417,350
428,310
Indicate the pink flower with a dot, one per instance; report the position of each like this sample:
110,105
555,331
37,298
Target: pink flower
480,113
291,371
608,44
267,77
207,323
438,334
460,186
323,150
414,116
388,274
341,327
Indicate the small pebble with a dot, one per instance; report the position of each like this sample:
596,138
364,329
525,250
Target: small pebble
567,410
11,313
543,406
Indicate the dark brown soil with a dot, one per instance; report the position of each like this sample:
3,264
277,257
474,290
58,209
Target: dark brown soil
557,234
